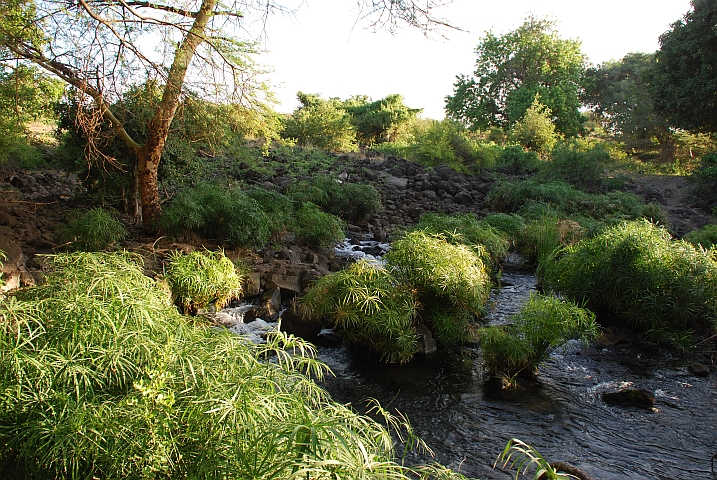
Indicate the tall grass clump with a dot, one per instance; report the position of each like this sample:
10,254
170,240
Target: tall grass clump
316,228
611,207
216,211
101,377
93,230
543,324
636,271
706,237
451,280
198,279
354,202
489,243
369,308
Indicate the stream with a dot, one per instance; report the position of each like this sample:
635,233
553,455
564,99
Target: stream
467,422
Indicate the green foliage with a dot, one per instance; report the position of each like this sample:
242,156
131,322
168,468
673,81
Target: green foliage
706,237
94,229
512,69
321,123
198,279
219,211
578,164
636,271
381,121
370,308
535,130
521,456
100,377
543,235
316,228
425,280
486,241
354,202
279,209
517,161
682,80
516,196
451,280
543,324
446,142
510,224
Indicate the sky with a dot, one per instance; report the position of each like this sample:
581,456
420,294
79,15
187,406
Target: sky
325,48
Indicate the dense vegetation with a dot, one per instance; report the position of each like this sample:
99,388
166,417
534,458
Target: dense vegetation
102,377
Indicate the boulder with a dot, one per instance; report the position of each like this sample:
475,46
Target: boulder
13,263
293,321
630,397
699,370
267,308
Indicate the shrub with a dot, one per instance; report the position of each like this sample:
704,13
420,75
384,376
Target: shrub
487,242
100,377
93,230
316,228
218,211
370,308
199,279
706,237
321,123
536,131
517,161
540,237
580,168
542,324
510,224
278,208
636,271
353,202
451,280
512,197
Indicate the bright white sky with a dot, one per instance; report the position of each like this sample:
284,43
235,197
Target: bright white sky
322,49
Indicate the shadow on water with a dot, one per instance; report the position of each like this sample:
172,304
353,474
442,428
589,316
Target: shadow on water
467,421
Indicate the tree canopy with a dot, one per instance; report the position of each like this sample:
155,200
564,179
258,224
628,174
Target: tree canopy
511,69
100,49
684,77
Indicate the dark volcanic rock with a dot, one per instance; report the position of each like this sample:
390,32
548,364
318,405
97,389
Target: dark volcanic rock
630,397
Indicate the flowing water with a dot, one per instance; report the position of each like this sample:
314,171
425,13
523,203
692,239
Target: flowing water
467,421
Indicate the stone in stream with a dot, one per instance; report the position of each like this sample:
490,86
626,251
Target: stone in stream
630,397
699,370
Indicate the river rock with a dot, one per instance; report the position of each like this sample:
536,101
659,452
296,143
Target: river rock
630,397
426,343
267,308
293,321
699,370
13,264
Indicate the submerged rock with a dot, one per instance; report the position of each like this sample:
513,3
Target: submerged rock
699,370
630,397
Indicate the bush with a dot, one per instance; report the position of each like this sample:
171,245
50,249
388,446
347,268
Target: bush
100,377
278,208
370,308
219,211
451,280
321,123
637,272
517,161
540,237
354,202
512,197
487,242
542,324
316,228
580,168
706,237
199,279
536,131
93,230
510,224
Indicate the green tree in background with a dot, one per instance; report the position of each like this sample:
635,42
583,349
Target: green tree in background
684,77
324,124
379,121
618,94
511,69
203,40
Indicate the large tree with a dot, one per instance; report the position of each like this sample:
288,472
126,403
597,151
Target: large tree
511,69
617,92
96,46
684,78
